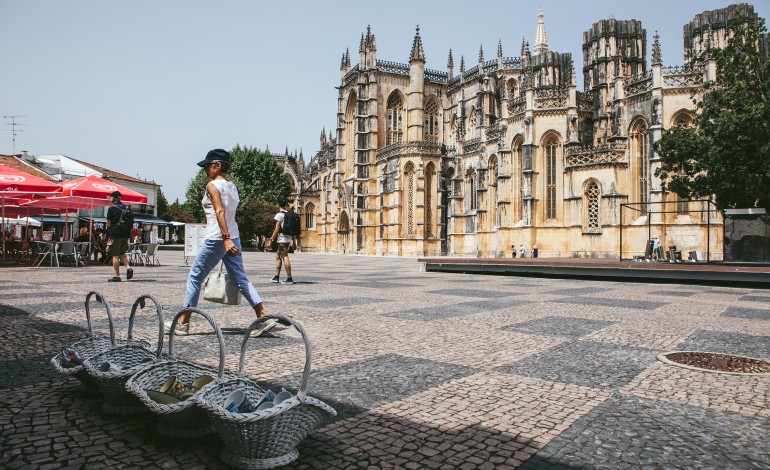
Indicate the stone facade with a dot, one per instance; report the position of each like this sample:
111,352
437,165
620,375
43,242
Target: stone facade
470,162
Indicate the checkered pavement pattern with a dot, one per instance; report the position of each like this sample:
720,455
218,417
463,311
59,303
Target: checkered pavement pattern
425,370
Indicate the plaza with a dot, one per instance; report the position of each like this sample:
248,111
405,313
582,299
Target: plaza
425,369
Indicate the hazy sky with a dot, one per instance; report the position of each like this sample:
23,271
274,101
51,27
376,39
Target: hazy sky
147,87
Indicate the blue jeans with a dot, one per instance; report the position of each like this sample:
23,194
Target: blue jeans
210,254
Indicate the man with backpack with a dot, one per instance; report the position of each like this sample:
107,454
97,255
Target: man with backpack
120,221
287,228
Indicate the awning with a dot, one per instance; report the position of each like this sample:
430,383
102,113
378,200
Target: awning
138,218
51,219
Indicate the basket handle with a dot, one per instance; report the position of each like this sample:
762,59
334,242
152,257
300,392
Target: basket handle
218,331
101,299
308,348
139,303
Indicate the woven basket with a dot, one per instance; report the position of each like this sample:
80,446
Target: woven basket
186,418
92,345
132,357
266,438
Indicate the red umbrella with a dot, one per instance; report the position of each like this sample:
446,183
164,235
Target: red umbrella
15,183
86,193
94,187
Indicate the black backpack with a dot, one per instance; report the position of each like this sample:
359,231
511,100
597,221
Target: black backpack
126,221
291,225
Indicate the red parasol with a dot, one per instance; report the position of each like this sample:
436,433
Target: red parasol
94,187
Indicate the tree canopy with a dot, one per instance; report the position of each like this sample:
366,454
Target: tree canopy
726,154
259,179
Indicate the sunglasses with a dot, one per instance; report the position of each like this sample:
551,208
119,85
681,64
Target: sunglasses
211,163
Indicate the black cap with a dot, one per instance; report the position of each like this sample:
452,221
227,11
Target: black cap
116,195
215,155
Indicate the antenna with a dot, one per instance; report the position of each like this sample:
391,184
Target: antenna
13,124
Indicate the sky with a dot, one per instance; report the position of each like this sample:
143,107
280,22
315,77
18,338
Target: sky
148,87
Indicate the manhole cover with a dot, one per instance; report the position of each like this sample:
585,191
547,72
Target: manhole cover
716,362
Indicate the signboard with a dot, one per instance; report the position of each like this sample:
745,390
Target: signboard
193,239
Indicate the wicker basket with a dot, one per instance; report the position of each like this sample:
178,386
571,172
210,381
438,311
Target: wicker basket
266,438
186,418
92,345
133,358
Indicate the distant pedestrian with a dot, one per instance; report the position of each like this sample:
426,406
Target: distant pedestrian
534,251
513,251
284,239
117,245
522,251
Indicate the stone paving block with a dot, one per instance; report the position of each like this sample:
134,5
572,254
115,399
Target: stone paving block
441,312
475,293
659,435
578,291
585,363
338,302
756,298
559,326
10,311
655,335
748,394
729,343
751,313
619,303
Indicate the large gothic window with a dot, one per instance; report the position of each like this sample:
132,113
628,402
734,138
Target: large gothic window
640,148
431,130
492,193
409,175
472,196
682,119
512,88
309,216
517,168
591,202
471,129
395,118
550,178
430,173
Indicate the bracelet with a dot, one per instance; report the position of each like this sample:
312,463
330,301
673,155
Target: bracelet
225,236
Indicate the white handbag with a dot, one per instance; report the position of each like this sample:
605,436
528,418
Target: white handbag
219,288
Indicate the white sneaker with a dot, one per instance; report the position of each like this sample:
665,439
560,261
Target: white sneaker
182,329
264,327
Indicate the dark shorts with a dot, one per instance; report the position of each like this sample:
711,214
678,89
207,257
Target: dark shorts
117,247
283,249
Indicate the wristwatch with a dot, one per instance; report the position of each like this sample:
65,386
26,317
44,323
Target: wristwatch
225,236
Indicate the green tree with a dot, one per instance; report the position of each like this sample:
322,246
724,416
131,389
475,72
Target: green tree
161,204
259,179
727,152
177,212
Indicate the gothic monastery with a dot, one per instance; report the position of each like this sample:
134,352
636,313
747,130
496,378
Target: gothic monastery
507,152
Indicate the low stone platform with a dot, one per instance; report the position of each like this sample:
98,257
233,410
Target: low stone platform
714,273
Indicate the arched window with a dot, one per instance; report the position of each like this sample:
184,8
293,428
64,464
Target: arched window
591,203
512,87
492,193
350,135
471,130
682,119
640,148
551,146
472,196
395,118
309,215
430,173
517,167
410,177
431,130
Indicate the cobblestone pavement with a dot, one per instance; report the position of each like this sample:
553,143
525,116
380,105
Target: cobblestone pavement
426,370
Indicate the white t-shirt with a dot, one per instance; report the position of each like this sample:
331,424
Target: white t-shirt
282,237
229,195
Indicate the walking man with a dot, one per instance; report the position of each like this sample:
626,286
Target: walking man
282,235
120,221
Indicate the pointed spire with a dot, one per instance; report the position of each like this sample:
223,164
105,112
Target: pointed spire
361,47
417,51
541,41
462,65
347,57
523,46
499,48
342,62
450,62
481,54
657,58
370,42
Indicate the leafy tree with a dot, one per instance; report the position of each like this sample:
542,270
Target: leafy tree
259,179
177,212
161,204
727,153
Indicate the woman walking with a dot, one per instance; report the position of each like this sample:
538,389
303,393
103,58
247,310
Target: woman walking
221,241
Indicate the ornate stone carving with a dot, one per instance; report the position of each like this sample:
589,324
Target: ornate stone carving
685,75
584,156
